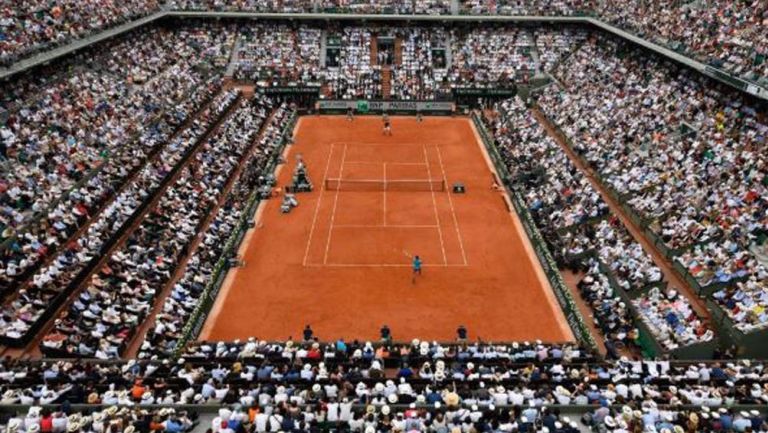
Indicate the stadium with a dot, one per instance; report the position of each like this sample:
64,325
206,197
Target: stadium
437,216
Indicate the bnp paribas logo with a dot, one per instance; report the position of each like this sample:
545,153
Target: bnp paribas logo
362,106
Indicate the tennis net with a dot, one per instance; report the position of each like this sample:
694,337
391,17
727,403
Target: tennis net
419,185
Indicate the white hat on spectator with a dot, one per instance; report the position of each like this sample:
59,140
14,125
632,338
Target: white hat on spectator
13,425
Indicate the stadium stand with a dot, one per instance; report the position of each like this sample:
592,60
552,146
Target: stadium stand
132,170
677,181
351,385
727,35
30,26
577,222
182,303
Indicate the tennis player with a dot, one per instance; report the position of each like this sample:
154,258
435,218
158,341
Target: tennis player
387,125
416,268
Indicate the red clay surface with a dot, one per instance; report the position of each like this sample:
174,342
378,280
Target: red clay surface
340,261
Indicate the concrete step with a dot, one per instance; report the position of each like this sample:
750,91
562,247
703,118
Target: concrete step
323,47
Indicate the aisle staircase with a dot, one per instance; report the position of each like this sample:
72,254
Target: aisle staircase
374,50
323,47
234,59
386,82
398,51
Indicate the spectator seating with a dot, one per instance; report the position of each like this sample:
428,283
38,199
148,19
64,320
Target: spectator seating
30,26
673,153
163,339
121,295
577,223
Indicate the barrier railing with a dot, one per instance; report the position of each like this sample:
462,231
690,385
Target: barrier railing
198,317
548,264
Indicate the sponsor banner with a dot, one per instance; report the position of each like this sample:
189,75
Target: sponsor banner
479,92
291,90
364,106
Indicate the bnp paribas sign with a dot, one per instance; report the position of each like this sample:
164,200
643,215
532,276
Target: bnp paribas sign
366,106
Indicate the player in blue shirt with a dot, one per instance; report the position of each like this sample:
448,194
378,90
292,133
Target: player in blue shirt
416,267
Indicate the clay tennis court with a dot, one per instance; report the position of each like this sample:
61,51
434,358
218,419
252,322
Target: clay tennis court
341,260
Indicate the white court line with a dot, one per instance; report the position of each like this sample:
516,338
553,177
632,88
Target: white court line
450,202
335,202
378,265
372,226
379,162
378,181
383,144
385,194
434,207
317,208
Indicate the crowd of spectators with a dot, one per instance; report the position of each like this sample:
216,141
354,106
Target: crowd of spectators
726,34
162,340
102,320
421,73
280,55
670,316
64,126
746,302
488,55
360,386
37,419
558,195
58,278
577,222
611,314
357,74
79,142
554,45
686,155
419,59
501,55
30,26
